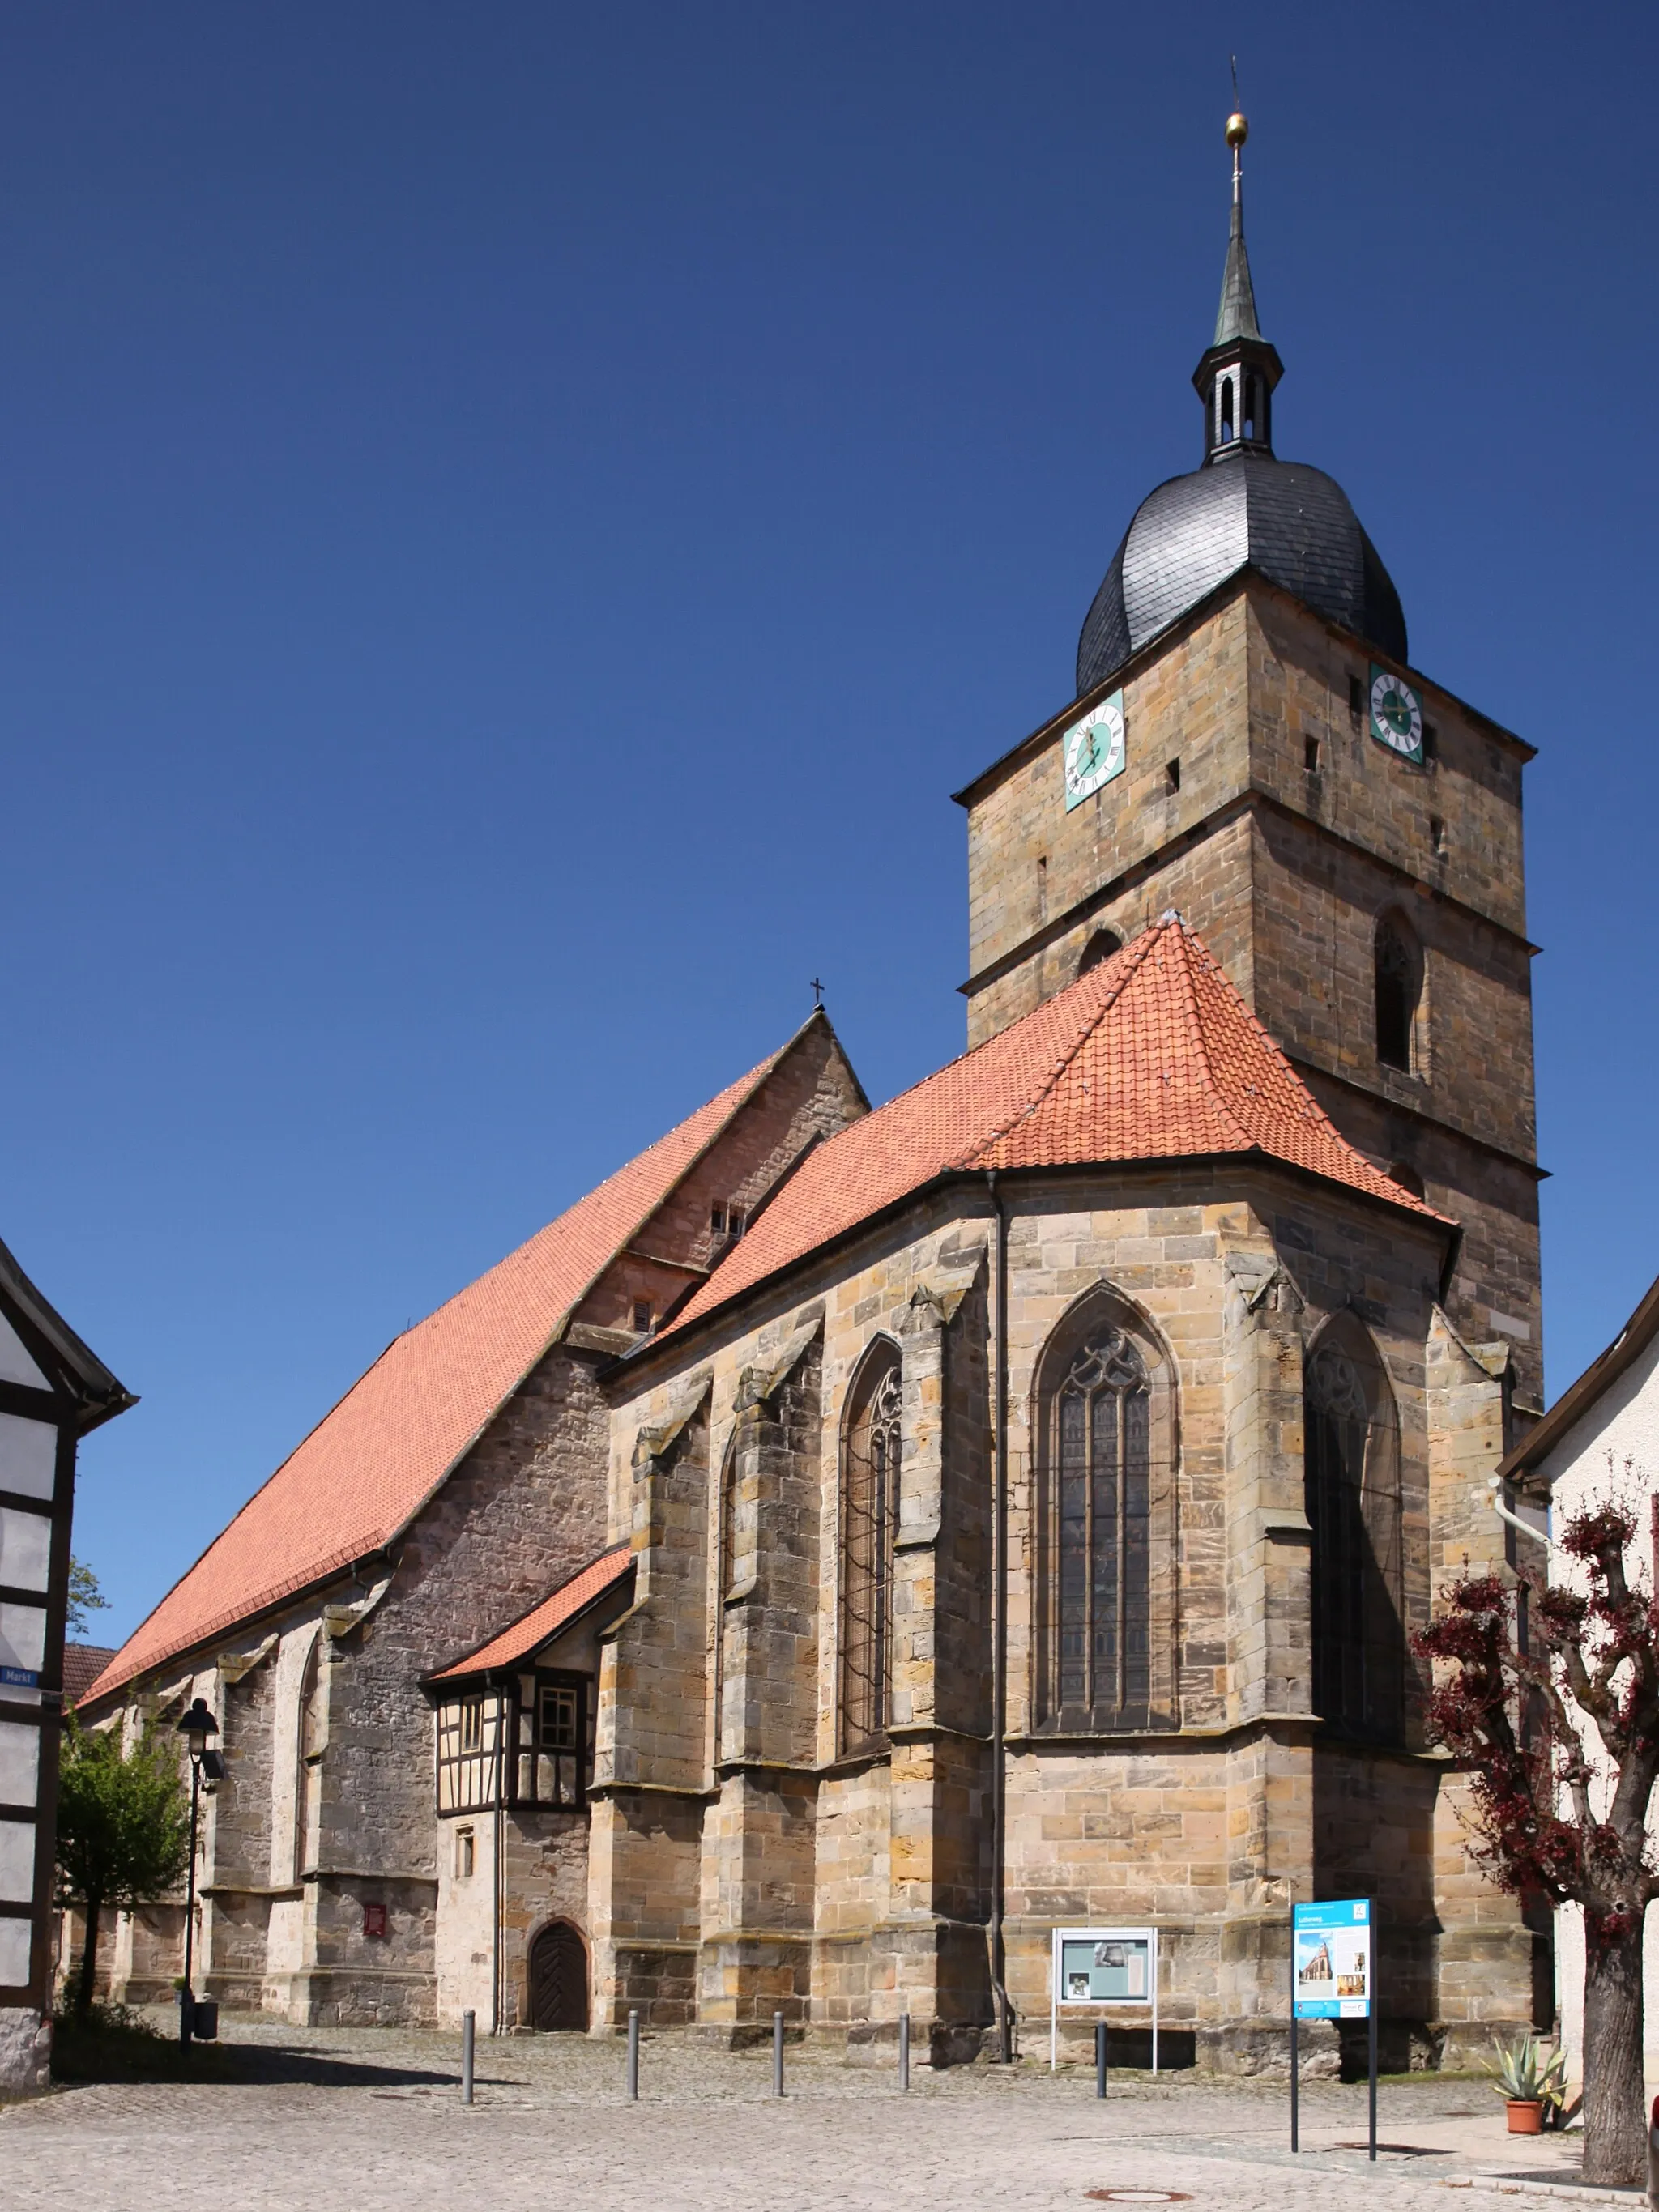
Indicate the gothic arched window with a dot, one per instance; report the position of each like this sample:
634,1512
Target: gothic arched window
1398,988
871,1452
1100,946
1105,1513
1352,1455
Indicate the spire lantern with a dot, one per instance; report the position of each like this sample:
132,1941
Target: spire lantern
1236,377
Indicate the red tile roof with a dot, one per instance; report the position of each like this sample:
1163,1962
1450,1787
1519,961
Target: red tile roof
525,1635
371,1464
1151,1055
83,1664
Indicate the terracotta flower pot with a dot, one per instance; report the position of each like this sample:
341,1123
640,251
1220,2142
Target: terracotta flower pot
1526,2116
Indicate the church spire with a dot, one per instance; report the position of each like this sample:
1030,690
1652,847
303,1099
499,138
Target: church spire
1237,376
1236,316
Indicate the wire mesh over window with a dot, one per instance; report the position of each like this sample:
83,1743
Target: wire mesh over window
869,1515
1099,1507
1352,1463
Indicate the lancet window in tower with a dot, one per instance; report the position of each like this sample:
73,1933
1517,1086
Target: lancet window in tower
1105,1548
871,1453
1352,1455
1399,989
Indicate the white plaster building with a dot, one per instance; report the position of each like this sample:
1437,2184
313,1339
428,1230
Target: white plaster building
1600,1438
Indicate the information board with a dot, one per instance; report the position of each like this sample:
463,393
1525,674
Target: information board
1331,1960
1104,1966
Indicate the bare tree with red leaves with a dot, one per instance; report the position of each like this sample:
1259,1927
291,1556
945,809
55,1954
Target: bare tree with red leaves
1547,1696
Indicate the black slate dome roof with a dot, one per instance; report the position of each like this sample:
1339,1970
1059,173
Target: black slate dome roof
1245,508
1249,509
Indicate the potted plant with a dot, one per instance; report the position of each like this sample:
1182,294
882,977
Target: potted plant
1528,2083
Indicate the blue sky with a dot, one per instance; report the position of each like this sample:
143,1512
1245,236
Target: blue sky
515,519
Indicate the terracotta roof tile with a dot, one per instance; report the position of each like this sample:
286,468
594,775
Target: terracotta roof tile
83,1664
1151,1055
369,1465
522,1637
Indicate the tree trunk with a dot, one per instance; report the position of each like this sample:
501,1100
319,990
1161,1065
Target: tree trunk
1615,2117
89,1962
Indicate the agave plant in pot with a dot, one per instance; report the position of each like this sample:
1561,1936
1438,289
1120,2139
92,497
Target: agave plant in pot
1530,2083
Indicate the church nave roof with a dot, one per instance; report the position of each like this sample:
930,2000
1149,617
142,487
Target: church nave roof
365,1470
1151,1055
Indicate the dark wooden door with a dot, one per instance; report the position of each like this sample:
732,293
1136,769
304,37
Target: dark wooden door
558,1978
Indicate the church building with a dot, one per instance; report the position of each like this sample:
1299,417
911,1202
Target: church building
850,1545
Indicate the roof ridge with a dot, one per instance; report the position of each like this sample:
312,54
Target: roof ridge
1309,1107
1252,1142
1141,948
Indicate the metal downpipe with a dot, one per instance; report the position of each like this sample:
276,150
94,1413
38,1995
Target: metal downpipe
1005,2019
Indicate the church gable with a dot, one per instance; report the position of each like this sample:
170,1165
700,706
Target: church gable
440,1392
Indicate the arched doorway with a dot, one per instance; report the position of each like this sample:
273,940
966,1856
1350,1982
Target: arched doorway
558,1978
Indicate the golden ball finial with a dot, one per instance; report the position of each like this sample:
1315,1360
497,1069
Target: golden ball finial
1237,130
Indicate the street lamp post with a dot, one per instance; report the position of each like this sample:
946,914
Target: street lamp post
195,1726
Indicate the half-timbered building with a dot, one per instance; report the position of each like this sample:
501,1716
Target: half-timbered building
52,1392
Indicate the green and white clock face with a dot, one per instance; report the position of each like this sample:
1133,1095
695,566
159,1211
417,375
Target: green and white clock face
1093,750
1396,714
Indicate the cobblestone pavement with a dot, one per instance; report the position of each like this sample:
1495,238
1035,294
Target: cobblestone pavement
372,2119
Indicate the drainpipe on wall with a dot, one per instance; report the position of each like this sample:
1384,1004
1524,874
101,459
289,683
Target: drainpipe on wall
497,1885
999,1635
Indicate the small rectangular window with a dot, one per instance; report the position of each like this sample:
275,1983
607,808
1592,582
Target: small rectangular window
472,1724
1310,755
1356,696
1437,833
556,1721
1431,742
1173,772
642,1316
464,1853
717,1220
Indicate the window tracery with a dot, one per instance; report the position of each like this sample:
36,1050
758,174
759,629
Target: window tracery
871,1456
1105,1555
1353,1503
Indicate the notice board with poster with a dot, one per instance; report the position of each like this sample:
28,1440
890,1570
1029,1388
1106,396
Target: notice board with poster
1101,1966
1331,1960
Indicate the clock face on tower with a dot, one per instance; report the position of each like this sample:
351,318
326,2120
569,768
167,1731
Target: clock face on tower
1396,715
1093,750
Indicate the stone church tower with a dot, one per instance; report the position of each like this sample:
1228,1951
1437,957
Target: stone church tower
1356,865
852,1545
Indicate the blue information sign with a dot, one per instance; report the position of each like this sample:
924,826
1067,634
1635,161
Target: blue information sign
1331,1960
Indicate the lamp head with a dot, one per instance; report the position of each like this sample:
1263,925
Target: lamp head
196,1725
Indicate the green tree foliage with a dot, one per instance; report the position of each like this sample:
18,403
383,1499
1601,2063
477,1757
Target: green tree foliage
123,1830
84,1596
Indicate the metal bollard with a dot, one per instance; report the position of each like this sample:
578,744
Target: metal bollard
777,2054
633,2057
1100,2058
469,2029
904,2050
